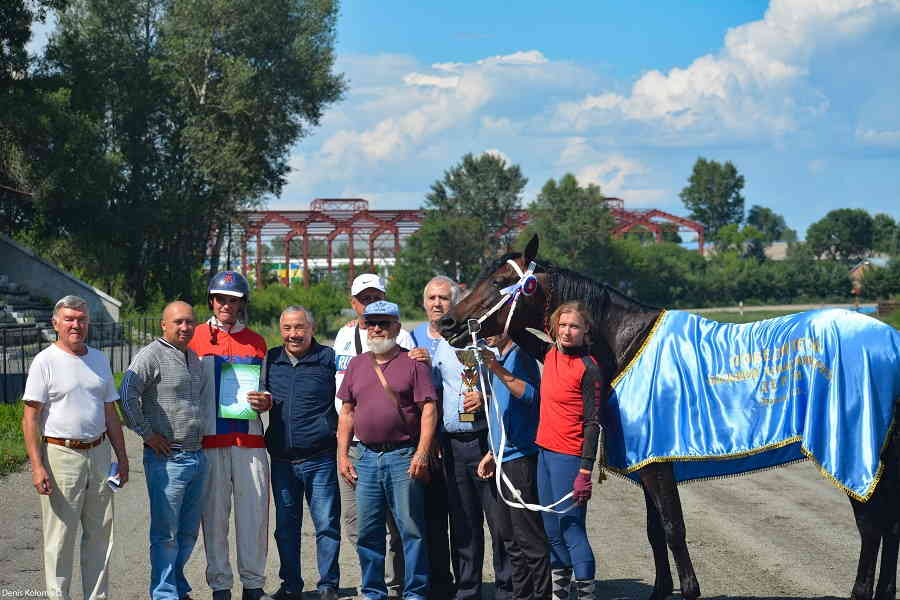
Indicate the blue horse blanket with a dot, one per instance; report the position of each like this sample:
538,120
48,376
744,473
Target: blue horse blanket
719,399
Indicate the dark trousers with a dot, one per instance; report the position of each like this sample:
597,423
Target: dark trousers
471,500
523,532
436,523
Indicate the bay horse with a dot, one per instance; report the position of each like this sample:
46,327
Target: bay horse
624,326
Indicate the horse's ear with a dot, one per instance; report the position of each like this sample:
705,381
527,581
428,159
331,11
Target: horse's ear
531,249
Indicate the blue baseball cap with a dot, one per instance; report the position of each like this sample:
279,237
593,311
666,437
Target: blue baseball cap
382,307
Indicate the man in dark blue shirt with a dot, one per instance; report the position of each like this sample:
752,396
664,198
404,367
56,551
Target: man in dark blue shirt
301,439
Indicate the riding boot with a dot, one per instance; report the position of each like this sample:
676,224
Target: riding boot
584,589
561,580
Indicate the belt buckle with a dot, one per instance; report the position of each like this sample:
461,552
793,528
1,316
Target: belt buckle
68,443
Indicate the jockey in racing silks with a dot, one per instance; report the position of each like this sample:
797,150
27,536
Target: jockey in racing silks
235,447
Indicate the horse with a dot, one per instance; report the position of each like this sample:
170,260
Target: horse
625,327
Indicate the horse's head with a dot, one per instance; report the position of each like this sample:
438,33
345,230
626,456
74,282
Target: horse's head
494,295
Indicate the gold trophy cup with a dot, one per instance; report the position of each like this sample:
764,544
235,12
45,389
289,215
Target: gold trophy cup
469,360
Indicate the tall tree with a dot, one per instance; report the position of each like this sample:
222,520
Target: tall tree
844,234
574,224
198,104
482,187
885,234
713,195
770,224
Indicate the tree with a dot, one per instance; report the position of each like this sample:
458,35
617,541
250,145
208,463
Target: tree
747,242
885,234
197,105
844,234
770,224
713,195
484,188
574,225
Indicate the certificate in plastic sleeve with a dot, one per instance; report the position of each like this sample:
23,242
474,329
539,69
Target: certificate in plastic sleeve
234,383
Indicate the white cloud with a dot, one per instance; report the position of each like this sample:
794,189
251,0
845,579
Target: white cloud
496,153
757,86
874,137
620,177
530,57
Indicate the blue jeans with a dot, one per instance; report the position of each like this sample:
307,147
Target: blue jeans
175,490
569,544
384,484
315,479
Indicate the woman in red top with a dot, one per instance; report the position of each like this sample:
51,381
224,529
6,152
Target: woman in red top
573,390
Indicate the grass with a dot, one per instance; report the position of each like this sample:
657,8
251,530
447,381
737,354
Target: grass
12,445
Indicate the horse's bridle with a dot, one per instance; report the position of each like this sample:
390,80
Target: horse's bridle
526,285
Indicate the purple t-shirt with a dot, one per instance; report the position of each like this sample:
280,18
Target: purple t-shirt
375,417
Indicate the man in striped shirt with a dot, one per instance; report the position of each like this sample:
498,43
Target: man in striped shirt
161,396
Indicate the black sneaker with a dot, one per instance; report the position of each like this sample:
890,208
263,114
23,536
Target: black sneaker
283,594
328,593
255,594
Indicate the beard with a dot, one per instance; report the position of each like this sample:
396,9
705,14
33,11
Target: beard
382,346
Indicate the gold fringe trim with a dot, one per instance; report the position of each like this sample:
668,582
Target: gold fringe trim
640,351
621,474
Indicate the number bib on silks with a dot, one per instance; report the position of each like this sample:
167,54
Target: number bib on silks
718,399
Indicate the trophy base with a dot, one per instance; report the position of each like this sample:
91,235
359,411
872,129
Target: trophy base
465,417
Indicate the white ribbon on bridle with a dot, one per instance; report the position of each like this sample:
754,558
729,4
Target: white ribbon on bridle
526,285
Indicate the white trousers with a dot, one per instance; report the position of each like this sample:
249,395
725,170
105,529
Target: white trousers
80,496
244,474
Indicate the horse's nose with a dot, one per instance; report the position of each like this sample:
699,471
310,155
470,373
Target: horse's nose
447,323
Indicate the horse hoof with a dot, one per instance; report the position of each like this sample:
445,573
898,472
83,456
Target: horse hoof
661,592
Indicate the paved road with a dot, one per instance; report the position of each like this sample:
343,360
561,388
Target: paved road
781,534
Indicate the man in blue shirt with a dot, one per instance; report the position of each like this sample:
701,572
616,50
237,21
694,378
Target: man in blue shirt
471,500
515,381
301,439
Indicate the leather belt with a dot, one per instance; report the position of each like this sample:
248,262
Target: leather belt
75,444
389,446
466,436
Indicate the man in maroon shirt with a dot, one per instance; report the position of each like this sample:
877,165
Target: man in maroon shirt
388,402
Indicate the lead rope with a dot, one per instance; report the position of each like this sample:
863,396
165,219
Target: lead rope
526,285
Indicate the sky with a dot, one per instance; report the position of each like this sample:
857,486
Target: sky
803,96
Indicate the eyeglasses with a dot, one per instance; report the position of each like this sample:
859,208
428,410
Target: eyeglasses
383,323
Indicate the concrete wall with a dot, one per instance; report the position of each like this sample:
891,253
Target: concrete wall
39,277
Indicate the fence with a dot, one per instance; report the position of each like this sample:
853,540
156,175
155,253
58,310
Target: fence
19,345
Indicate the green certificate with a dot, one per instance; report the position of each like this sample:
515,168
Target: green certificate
234,383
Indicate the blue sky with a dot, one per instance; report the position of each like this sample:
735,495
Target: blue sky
802,96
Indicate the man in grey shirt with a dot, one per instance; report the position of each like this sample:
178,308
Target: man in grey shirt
160,397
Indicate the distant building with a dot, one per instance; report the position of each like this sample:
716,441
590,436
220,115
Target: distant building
859,269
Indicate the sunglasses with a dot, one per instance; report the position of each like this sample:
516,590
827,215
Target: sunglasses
383,323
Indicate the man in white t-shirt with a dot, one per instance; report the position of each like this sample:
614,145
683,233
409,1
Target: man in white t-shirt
352,339
69,415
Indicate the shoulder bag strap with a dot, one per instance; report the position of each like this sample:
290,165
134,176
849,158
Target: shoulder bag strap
357,340
390,393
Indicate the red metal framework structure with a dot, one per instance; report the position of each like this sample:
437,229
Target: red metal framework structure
350,221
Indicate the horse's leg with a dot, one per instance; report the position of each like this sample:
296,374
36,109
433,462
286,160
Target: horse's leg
656,535
887,575
870,539
659,482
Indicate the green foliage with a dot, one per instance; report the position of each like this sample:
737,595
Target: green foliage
885,234
152,122
574,225
12,444
770,224
882,283
845,234
747,242
659,274
462,231
713,195
893,319
324,300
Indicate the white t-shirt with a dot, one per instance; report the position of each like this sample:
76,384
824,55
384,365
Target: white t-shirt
345,349
75,389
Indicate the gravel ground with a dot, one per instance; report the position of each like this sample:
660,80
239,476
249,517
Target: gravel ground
784,533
